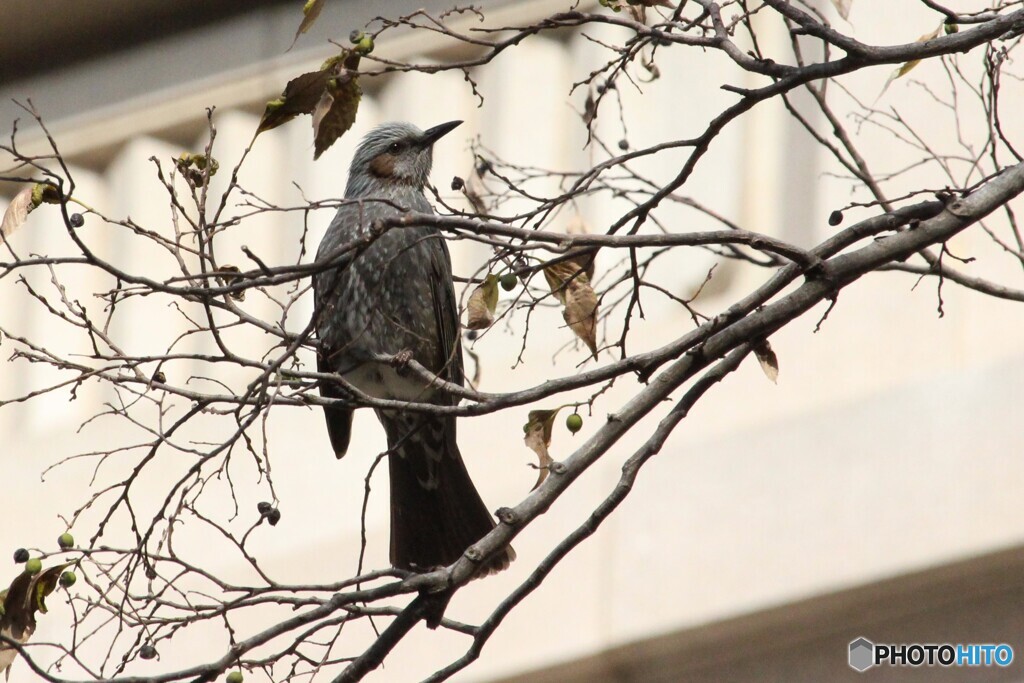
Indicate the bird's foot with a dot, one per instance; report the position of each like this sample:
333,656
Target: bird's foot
400,361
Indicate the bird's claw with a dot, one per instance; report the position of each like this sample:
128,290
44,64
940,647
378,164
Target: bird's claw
400,360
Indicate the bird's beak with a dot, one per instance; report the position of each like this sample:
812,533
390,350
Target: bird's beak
432,135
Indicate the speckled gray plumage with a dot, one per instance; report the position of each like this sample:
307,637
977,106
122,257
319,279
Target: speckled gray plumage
398,293
390,296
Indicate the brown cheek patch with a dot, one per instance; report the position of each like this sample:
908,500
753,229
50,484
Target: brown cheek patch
383,166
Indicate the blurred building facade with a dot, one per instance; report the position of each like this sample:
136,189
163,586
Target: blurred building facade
876,491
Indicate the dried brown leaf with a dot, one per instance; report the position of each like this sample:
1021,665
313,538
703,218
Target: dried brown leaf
473,189
300,96
769,362
17,212
20,601
230,279
482,304
577,226
907,67
335,112
331,95
24,203
310,12
321,109
843,7
572,287
587,261
538,437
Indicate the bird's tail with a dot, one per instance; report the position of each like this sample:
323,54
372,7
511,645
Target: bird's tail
436,512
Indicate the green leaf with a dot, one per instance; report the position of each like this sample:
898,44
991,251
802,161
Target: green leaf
45,583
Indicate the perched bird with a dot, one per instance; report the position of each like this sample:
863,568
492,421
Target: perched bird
393,295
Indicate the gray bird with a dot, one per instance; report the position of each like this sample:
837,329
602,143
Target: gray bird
395,296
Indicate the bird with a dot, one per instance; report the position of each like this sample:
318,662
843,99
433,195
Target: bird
390,294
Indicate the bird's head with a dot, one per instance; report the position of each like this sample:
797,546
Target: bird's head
394,154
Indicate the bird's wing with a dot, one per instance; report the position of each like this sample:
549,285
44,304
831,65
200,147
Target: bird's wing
446,314
339,418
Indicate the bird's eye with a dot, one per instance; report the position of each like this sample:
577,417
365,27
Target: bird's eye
395,147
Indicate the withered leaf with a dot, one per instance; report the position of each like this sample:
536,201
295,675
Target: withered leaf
769,362
45,193
22,599
482,304
187,160
906,68
24,203
229,276
44,583
589,109
577,226
538,437
321,109
192,165
300,96
843,7
586,261
303,93
17,212
335,112
310,12
579,302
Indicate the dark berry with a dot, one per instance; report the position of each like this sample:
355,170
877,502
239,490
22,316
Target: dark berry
76,220
147,652
835,218
457,183
21,555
